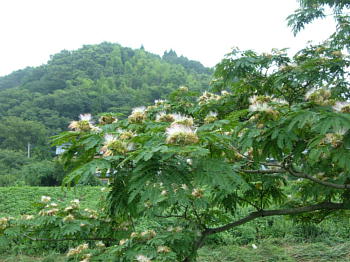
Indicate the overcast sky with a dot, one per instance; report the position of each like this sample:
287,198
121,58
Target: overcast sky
203,30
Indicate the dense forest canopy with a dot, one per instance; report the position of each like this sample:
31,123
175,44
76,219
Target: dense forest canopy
38,102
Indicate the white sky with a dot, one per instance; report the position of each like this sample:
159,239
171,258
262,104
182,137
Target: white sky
203,30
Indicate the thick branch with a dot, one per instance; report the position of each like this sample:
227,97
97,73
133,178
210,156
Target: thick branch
288,211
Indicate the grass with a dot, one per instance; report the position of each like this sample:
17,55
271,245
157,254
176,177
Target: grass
23,258
268,251
272,250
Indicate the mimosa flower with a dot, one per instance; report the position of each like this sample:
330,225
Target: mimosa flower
211,117
343,107
181,135
182,120
142,258
164,117
138,115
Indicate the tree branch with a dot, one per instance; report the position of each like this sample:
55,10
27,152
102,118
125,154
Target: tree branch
171,216
70,239
288,211
267,171
297,174
318,181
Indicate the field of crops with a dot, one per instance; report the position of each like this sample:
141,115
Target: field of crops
21,200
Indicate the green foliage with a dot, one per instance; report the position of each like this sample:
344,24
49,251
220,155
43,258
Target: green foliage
272,138
43,173
10,164
165,169
17,169
16,133
311,10
277,250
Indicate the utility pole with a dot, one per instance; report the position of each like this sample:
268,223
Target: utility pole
28,150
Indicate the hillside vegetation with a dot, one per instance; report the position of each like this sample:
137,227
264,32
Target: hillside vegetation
38,102
94,79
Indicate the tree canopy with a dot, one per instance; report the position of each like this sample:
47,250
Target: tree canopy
273,135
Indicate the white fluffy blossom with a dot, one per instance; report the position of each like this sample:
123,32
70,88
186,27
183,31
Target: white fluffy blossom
207,97
181,134
177,129
280,101
45,199
84,124
164,117
142,258
68,218
182,120
225,93
163,249
109,139
114,145
260,107
183,88
319,96
75,201
211,117
159,102
343,107
138,114
85,117
77,250
100,244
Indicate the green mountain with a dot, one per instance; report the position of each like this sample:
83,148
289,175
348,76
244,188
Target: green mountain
93,79
38,102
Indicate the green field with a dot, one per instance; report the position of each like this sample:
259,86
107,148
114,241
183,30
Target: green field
277,239
20,200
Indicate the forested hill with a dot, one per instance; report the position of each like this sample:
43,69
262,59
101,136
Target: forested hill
93,79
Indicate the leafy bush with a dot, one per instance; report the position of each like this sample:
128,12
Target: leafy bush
10,164
43,173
